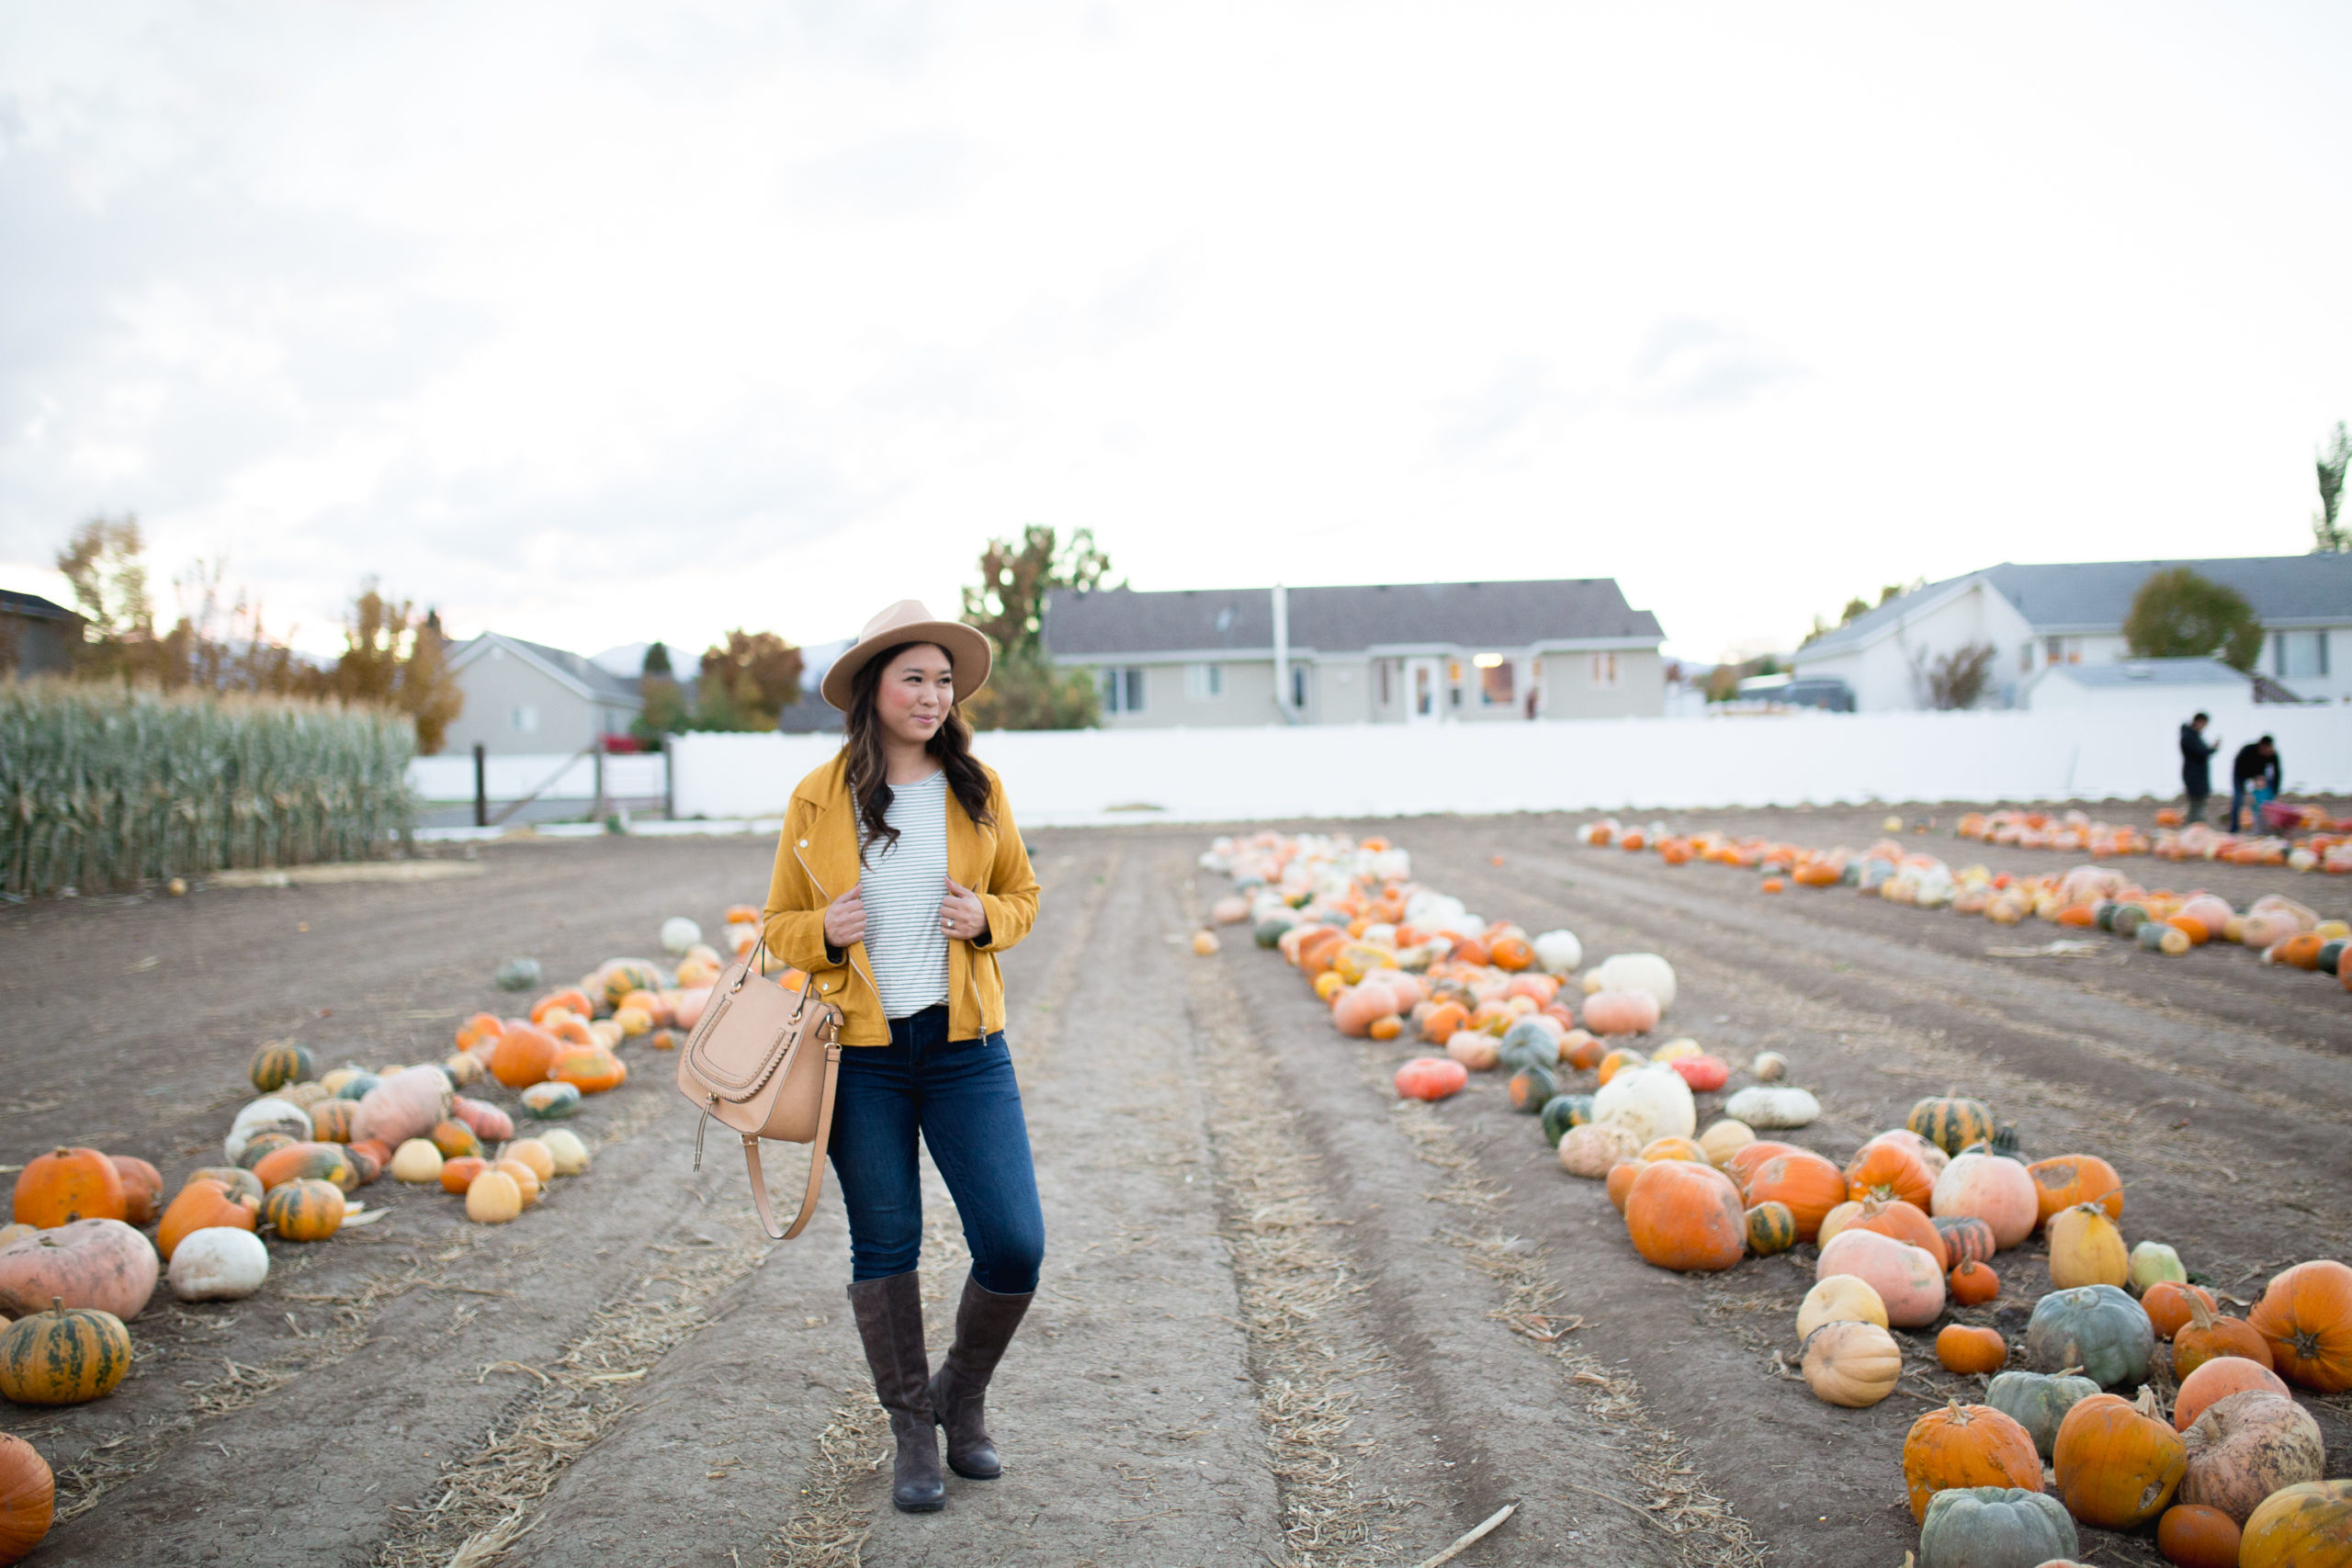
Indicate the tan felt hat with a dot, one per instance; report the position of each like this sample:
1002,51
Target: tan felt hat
904,622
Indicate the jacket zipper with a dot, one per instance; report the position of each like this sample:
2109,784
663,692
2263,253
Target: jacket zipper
828,898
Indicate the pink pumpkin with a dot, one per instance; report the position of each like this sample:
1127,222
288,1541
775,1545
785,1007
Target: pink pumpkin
1357,1008
489,1123
1430,1078
688,1004
1621,1012
1704,1074
1992,1187
1905,1278
403,1106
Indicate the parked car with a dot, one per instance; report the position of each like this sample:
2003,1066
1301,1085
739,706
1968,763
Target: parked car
1824,692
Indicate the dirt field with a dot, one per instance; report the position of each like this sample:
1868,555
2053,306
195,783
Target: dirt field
1285,1319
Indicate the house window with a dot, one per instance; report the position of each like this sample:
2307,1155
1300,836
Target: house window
523,719
1298,686
1385,698
1496,680
1123,690
1604,670
2299,654
2062,649
1204,683
1453,682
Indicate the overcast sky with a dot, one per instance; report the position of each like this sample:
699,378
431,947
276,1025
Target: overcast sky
600,323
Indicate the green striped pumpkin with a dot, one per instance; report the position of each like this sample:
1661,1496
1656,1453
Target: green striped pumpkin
551,1101
64,1355
332,1120
1563,1112
1771,1227
1950,1122
276,1065
305,1210
1531,1089
631,975
261,1145
235,1180
1966,1238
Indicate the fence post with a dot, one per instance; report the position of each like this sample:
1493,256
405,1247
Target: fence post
482,787
669,781
596,811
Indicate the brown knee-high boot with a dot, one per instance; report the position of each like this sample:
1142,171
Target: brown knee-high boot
890,1319
984,1325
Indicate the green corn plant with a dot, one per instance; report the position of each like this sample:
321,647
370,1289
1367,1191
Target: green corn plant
103,788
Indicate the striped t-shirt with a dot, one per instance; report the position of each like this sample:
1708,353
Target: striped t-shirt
904,884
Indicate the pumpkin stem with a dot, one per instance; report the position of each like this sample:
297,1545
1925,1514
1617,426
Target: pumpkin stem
2146,1403
2199,1318
57,1306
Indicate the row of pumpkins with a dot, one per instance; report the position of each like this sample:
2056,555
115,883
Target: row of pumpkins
75,1266
1910,1223
2326,846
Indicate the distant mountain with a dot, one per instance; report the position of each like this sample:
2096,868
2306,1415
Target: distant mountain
628,661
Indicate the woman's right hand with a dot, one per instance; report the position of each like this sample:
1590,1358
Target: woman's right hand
845,920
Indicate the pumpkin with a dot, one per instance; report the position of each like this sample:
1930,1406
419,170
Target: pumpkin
493,1198
1477,1051
1972,1284
2246,1446
1889,1171
1774,1108
458,1174
1621,1012
332,1120
370,1155
1990,1188
2086,1249
279,1064
1808,1183
2038,1403
1620,1178
220,1263
1644,972
299,1162
305,1210
2302,1525
517,975
1531,1089
1703,1072
1616,1062
2195,1535
1563,1112
404,1105
1841,1298
261,1145
1769,1066
2208,1334
1592,1149
1851,1364
1558,952
1996,1527
1723,1138
1743,1161
591,1069
1685,1216
453,1138
28,1498
143,1189
2217,1380
1770,1228
1951,1123
572,999
205,1204
231,1178
1932,1158
2062,1183
1972,1352
1676,1051
2153,1264
89,1263
522,1055
2118,1463
65,1185
533,1153
356,1085
2306,1315
478,1030
416,1161
1651,1102
526,1179
1513,952
1966,1445
64,1355
1837,1220
567,1156
1430,1078
2095,1328
1678,1148
1909,1280
1354,1010
2166,1304
553,1102
1900,1220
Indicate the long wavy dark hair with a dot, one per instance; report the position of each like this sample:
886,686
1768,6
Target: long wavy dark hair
869,764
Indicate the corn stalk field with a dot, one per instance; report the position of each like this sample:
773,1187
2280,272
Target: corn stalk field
105,788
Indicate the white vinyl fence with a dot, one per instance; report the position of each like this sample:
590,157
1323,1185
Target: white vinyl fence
1070,777
449,780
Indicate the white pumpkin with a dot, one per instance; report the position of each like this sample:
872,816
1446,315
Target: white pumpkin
1992,1187
1637,972
1724,1138
1839,1298
1775,1108
679,933
1590,1150
1769,1066
219,1263
1559,951
563,1145
269,1114
1651,1102
416,1161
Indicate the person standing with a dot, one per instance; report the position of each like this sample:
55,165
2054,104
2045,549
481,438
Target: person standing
2253,780
899,877
2197,765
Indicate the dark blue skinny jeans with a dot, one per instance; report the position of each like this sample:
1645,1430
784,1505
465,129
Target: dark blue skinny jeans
959,1095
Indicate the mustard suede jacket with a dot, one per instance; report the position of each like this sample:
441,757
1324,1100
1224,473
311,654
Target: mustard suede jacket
817,859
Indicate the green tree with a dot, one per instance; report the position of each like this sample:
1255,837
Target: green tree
657,660
2180,614
1024,690
2329,535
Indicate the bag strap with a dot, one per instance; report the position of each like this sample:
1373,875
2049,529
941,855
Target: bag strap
816,1157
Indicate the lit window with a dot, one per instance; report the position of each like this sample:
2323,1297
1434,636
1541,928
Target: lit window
1203,682
1496,687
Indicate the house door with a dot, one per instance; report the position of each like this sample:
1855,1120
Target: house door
1424,692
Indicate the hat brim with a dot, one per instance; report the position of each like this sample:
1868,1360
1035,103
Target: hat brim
967,651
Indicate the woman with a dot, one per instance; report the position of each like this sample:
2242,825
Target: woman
899,879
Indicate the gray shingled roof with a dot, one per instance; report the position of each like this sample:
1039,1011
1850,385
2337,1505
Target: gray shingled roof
589,674
2094,596
2127,673
34,605
1342,620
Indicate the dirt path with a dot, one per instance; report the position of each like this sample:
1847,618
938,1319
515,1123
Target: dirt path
1283,1319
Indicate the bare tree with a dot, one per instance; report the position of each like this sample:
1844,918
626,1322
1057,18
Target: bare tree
1957,679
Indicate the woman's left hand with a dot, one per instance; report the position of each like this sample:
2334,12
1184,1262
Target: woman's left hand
961,914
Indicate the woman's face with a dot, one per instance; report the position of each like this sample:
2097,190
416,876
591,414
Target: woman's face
916,693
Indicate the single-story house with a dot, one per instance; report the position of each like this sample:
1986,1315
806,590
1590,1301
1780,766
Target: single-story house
2073,614
1393,653
36,636
2157,686
523,697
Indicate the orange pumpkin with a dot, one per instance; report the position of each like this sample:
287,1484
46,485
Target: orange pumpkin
1972,1284
2207,1334
526,1179
2166,1304
591,1069
65,1185
1430,1078
332,1120
1808,1183
2195,1535
2302,1525
1968,1351
481,1027
1470,950
1579,1050
2118,1463
458,1174
1513,952
143,1189
1622,1177
200,1205
1889,1171
305,1210
298,1162
454,1138
572,1000
1904,1222
28,1498
523,1056
1967,1445
1743,1161
2069,1179
2306,1317
1685,1217
2217,1380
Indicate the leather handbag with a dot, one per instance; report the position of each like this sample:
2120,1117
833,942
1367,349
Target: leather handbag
763,1060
